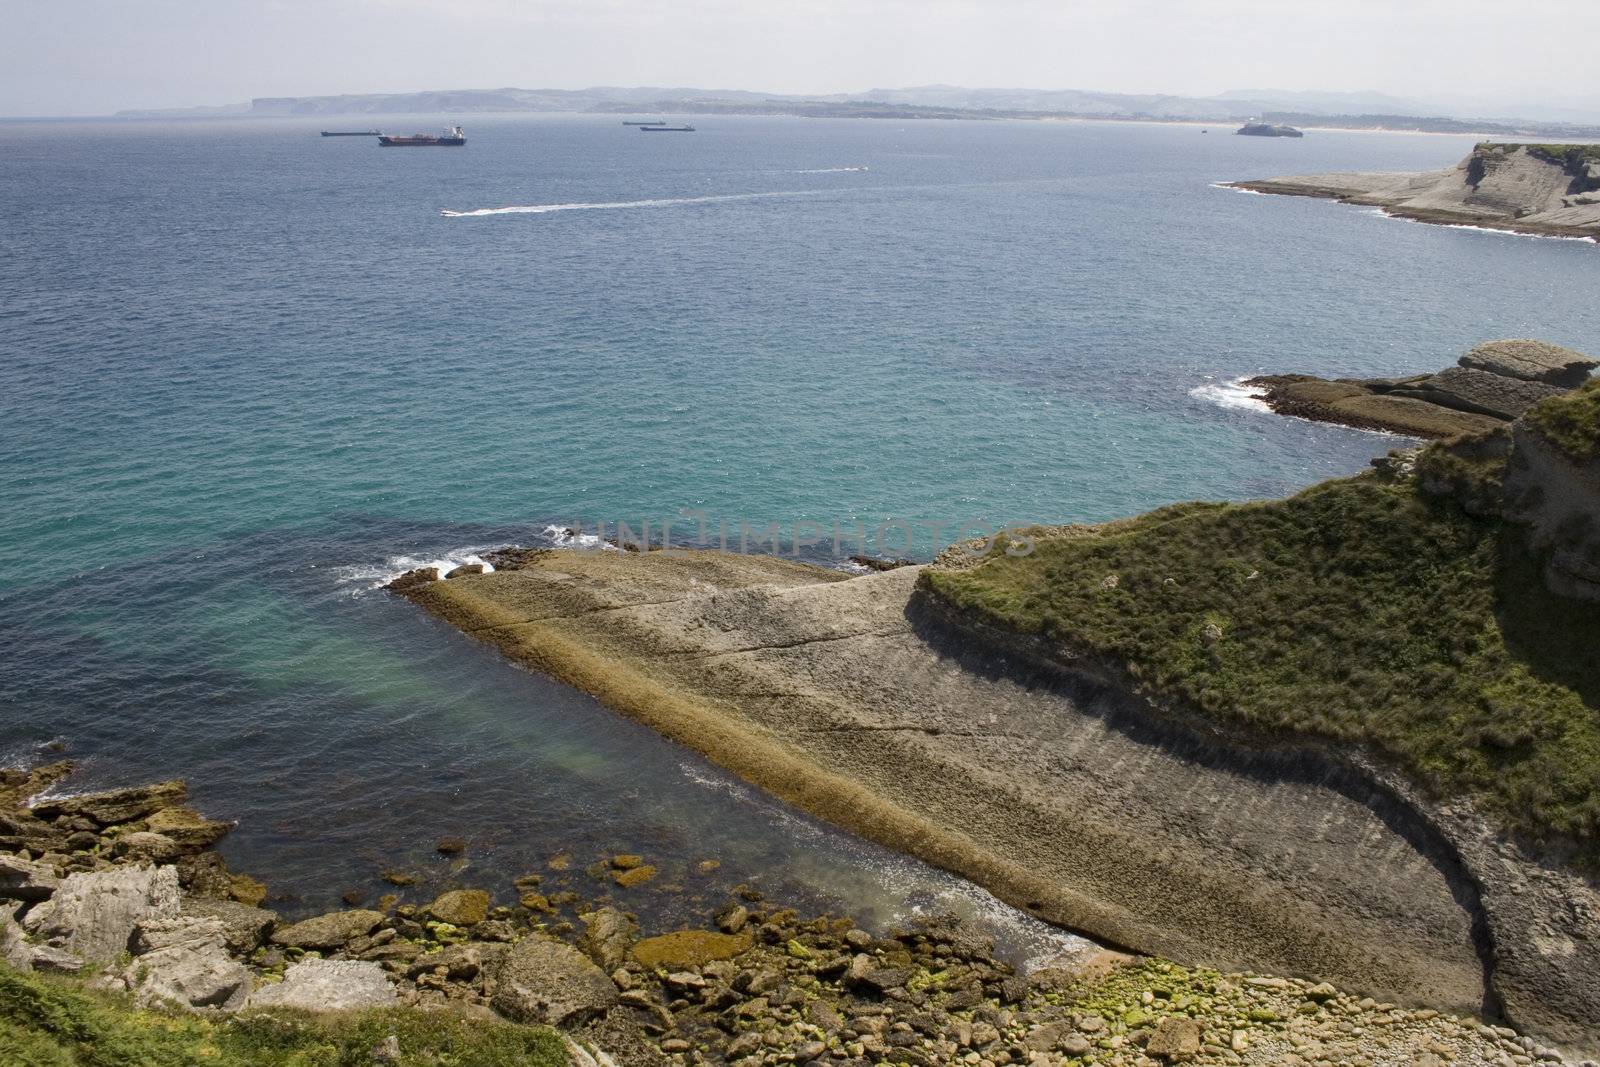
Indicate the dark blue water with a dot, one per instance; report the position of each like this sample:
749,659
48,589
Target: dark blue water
245,372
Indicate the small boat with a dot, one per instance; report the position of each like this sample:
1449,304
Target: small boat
644,122
666,129
453,137
351,133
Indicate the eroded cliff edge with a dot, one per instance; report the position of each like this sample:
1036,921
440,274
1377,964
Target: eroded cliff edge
1065,795
1551,190
1069,785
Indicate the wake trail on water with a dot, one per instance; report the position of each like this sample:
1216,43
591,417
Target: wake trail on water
616,205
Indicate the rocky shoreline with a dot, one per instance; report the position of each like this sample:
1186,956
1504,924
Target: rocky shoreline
1538,190
122,889
1490,386
1051,786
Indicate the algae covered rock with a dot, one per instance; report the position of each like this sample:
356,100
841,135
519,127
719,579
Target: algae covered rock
689,948
461,907
543,980
187,827
607,936
329,931
116,806
1174,1038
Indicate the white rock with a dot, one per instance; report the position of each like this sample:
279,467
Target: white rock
13,949
184,962
328,985
92,915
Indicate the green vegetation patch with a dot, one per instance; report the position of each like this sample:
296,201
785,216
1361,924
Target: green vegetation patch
56,1023
1556,153
1361,610
1571,422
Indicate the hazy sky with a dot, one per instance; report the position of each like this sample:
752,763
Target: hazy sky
97,56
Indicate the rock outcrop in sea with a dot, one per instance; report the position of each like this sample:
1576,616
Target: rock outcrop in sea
1551,190
1490,386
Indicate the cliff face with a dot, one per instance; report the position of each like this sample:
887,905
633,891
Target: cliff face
1552,485
1552,190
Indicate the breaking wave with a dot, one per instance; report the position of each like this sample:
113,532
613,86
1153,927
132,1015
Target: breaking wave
833,170
365,577
1234,395
1382,213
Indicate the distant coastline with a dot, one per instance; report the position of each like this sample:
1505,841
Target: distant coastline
934,102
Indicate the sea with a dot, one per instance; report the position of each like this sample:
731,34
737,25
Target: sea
248,374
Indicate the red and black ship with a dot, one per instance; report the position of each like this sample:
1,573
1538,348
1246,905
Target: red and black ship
454,137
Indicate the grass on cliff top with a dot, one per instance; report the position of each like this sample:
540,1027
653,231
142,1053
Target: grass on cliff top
1360,610
1571,422
1556,152
56,1023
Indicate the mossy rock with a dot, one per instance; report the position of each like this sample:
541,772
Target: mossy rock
461,907
689,948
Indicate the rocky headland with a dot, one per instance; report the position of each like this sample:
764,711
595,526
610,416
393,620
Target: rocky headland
124,938
952,712
1551,190
1489,387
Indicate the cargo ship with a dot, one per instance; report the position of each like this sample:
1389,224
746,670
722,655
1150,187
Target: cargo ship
666,129
452,138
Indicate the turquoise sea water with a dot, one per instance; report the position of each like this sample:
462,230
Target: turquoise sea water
246,373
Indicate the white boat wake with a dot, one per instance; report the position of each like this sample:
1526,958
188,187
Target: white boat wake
615,205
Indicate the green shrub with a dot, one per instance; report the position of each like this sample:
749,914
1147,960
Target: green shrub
56,1023
1358,611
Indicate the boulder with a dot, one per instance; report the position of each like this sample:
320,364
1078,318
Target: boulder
461,907
117,805
326,932
244,928
412,579
1533,361
608,934
1174,1038
50,958
465,568
545,981
13,949
23,880
93,915
689,948
187,827
328,985
143,845
460,963
184,962
1480,392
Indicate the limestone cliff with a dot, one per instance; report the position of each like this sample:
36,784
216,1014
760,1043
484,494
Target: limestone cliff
1551,190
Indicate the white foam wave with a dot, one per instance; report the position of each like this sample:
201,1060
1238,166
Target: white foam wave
365,577
1236,189
833,170
1381,213
1234,395
567,537
614,205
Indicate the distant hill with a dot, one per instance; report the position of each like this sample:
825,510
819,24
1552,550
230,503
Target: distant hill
1358,110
